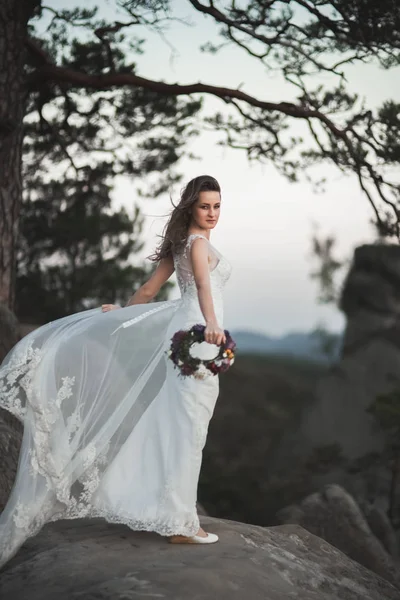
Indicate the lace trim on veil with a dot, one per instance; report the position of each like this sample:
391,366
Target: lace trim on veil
48,486
165,305
50,475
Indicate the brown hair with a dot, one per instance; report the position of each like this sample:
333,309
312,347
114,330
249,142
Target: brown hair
176,230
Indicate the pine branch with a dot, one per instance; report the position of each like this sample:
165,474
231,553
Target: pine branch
79,79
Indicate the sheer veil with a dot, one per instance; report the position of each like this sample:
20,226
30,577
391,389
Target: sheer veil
79,385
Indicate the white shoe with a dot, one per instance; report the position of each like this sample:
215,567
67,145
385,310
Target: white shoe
211,538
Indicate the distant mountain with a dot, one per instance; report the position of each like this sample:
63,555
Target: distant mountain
302,345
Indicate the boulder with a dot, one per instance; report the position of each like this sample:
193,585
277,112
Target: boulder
381,526
335,439
10,427
335,516
370,362
93,560
9,331
10,443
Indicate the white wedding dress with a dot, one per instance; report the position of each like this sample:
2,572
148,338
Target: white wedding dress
110,429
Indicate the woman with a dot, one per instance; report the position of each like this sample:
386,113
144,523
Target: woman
110,429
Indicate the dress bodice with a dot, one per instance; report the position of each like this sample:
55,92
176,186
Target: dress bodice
220,271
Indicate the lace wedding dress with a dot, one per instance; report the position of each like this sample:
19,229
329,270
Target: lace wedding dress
110,429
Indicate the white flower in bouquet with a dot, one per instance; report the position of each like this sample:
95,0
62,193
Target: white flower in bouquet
201,372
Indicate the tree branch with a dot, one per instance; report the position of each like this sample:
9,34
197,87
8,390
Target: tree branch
57,74
102,33
41,57
250,31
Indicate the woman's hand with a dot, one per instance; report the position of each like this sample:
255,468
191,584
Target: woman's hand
107,307
213,334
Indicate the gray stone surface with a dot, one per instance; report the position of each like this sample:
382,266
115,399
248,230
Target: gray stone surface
10,428
9,331
337,423
381,526
93,560
370,362
10,443
201,511
334,515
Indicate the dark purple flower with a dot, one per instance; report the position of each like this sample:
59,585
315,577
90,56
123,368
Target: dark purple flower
186,370
179,336
213,368
186,364
198,328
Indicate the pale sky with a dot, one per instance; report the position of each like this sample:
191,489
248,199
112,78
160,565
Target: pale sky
266,223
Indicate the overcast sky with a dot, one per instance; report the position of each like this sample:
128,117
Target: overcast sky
266,223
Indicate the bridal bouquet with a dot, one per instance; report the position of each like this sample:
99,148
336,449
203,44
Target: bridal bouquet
179,352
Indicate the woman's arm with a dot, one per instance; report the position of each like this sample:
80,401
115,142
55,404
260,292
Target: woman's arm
151,287
213,333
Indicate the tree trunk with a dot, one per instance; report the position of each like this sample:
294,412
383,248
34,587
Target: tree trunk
14,15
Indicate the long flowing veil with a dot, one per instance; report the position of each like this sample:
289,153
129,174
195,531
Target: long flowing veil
79,385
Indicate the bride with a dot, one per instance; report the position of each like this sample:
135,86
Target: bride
110,429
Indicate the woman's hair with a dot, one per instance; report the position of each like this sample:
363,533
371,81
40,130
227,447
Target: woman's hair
175,232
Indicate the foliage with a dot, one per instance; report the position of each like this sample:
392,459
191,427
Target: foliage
328,343
262,398
324,458
326,275
386,410
297,38
329,266
87,107
75,251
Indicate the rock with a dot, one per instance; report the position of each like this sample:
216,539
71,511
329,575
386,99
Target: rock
9,331
370,362
10,443
335,516
10,428
93,560
291,435
335,439
201,511
381,526
371,296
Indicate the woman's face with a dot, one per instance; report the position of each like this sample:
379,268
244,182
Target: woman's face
206,209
